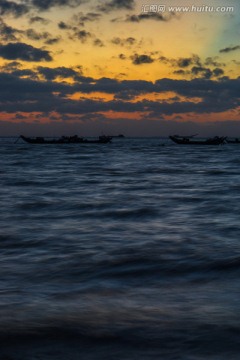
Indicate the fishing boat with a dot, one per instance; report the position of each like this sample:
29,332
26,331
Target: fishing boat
66,140
189,140
233,141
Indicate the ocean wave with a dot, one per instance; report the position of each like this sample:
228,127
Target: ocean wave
178,341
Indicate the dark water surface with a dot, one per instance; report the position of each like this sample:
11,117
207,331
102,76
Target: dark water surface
129,250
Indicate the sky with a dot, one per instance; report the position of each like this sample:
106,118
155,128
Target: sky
135,67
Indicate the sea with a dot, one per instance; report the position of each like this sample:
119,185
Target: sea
120,251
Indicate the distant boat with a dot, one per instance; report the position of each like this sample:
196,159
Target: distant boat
118,136
66,140
188,140
233,141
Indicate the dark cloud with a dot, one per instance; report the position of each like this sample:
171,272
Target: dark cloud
51,41
81,18
98,42
181,62
59,72
184,62
207,73
51,74
15,68
149,16
19,116
38,19
45,36
63,26
213,62
123,42
21,51
196,60
17,9
126,95
116,5
76,33
11,66
141,59
82,35
34,35
8,33
47,4
218,72
179,72
78,20
12,8
25,73
164,60
229,49
21,94
222,93
122,56
198,68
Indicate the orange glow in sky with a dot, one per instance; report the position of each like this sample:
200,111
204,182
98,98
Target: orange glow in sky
106,59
